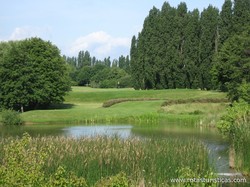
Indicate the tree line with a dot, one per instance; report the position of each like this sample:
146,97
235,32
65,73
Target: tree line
86,70
178,48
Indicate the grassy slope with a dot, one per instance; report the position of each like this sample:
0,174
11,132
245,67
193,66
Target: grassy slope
85,105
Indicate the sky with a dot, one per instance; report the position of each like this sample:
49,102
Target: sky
103,27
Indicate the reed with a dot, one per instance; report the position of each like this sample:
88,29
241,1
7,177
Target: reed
155,161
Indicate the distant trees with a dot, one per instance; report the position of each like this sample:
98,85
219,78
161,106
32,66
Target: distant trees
89,71
32,74
176,47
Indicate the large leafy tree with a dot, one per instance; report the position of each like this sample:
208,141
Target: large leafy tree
32,74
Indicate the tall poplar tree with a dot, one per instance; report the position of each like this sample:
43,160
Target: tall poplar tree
241,15
208,44
191,49
135,64
150,44
226,21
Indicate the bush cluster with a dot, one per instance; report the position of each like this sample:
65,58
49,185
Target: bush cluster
11,117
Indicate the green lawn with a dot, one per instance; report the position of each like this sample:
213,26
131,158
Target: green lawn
84,105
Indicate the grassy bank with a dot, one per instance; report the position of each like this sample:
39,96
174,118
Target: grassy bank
85,105
154,162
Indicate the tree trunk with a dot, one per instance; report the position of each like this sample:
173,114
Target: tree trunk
22,110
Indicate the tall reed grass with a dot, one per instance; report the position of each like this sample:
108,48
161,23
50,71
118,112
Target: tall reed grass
154,161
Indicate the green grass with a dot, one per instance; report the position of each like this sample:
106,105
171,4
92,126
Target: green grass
210,112
84,105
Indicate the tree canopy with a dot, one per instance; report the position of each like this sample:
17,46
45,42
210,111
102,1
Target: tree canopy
176,47
231,70
32,74
86,70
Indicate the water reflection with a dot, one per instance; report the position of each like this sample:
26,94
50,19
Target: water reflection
90,131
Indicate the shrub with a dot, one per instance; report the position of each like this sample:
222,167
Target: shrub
188,175
62,178
11,117
108,83
126,82
22,164
119,180
235,125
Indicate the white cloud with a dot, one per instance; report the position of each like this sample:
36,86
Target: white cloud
99,44
26,32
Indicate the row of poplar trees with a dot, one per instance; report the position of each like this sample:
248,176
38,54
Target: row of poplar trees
176,47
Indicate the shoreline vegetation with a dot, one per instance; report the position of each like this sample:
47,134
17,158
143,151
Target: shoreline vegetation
92,161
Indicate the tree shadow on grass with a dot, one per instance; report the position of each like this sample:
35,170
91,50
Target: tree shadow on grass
59,106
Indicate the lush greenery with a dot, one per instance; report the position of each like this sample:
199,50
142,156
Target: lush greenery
176,47
232,66
84,105
32,73
89,71
90,161
10,117
23,164
235,125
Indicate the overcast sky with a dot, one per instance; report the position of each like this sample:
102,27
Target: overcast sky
103,27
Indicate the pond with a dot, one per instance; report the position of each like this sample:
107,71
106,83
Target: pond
209,136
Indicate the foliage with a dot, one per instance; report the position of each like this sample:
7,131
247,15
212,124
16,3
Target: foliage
188,174
235,125
89,71
22,164
241,15
32,73
236,121
128,161
176,47
10,117
119,180
231,69
226,21
109,77
125,82
244,91
63,178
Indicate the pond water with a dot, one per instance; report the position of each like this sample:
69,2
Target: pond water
217,146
